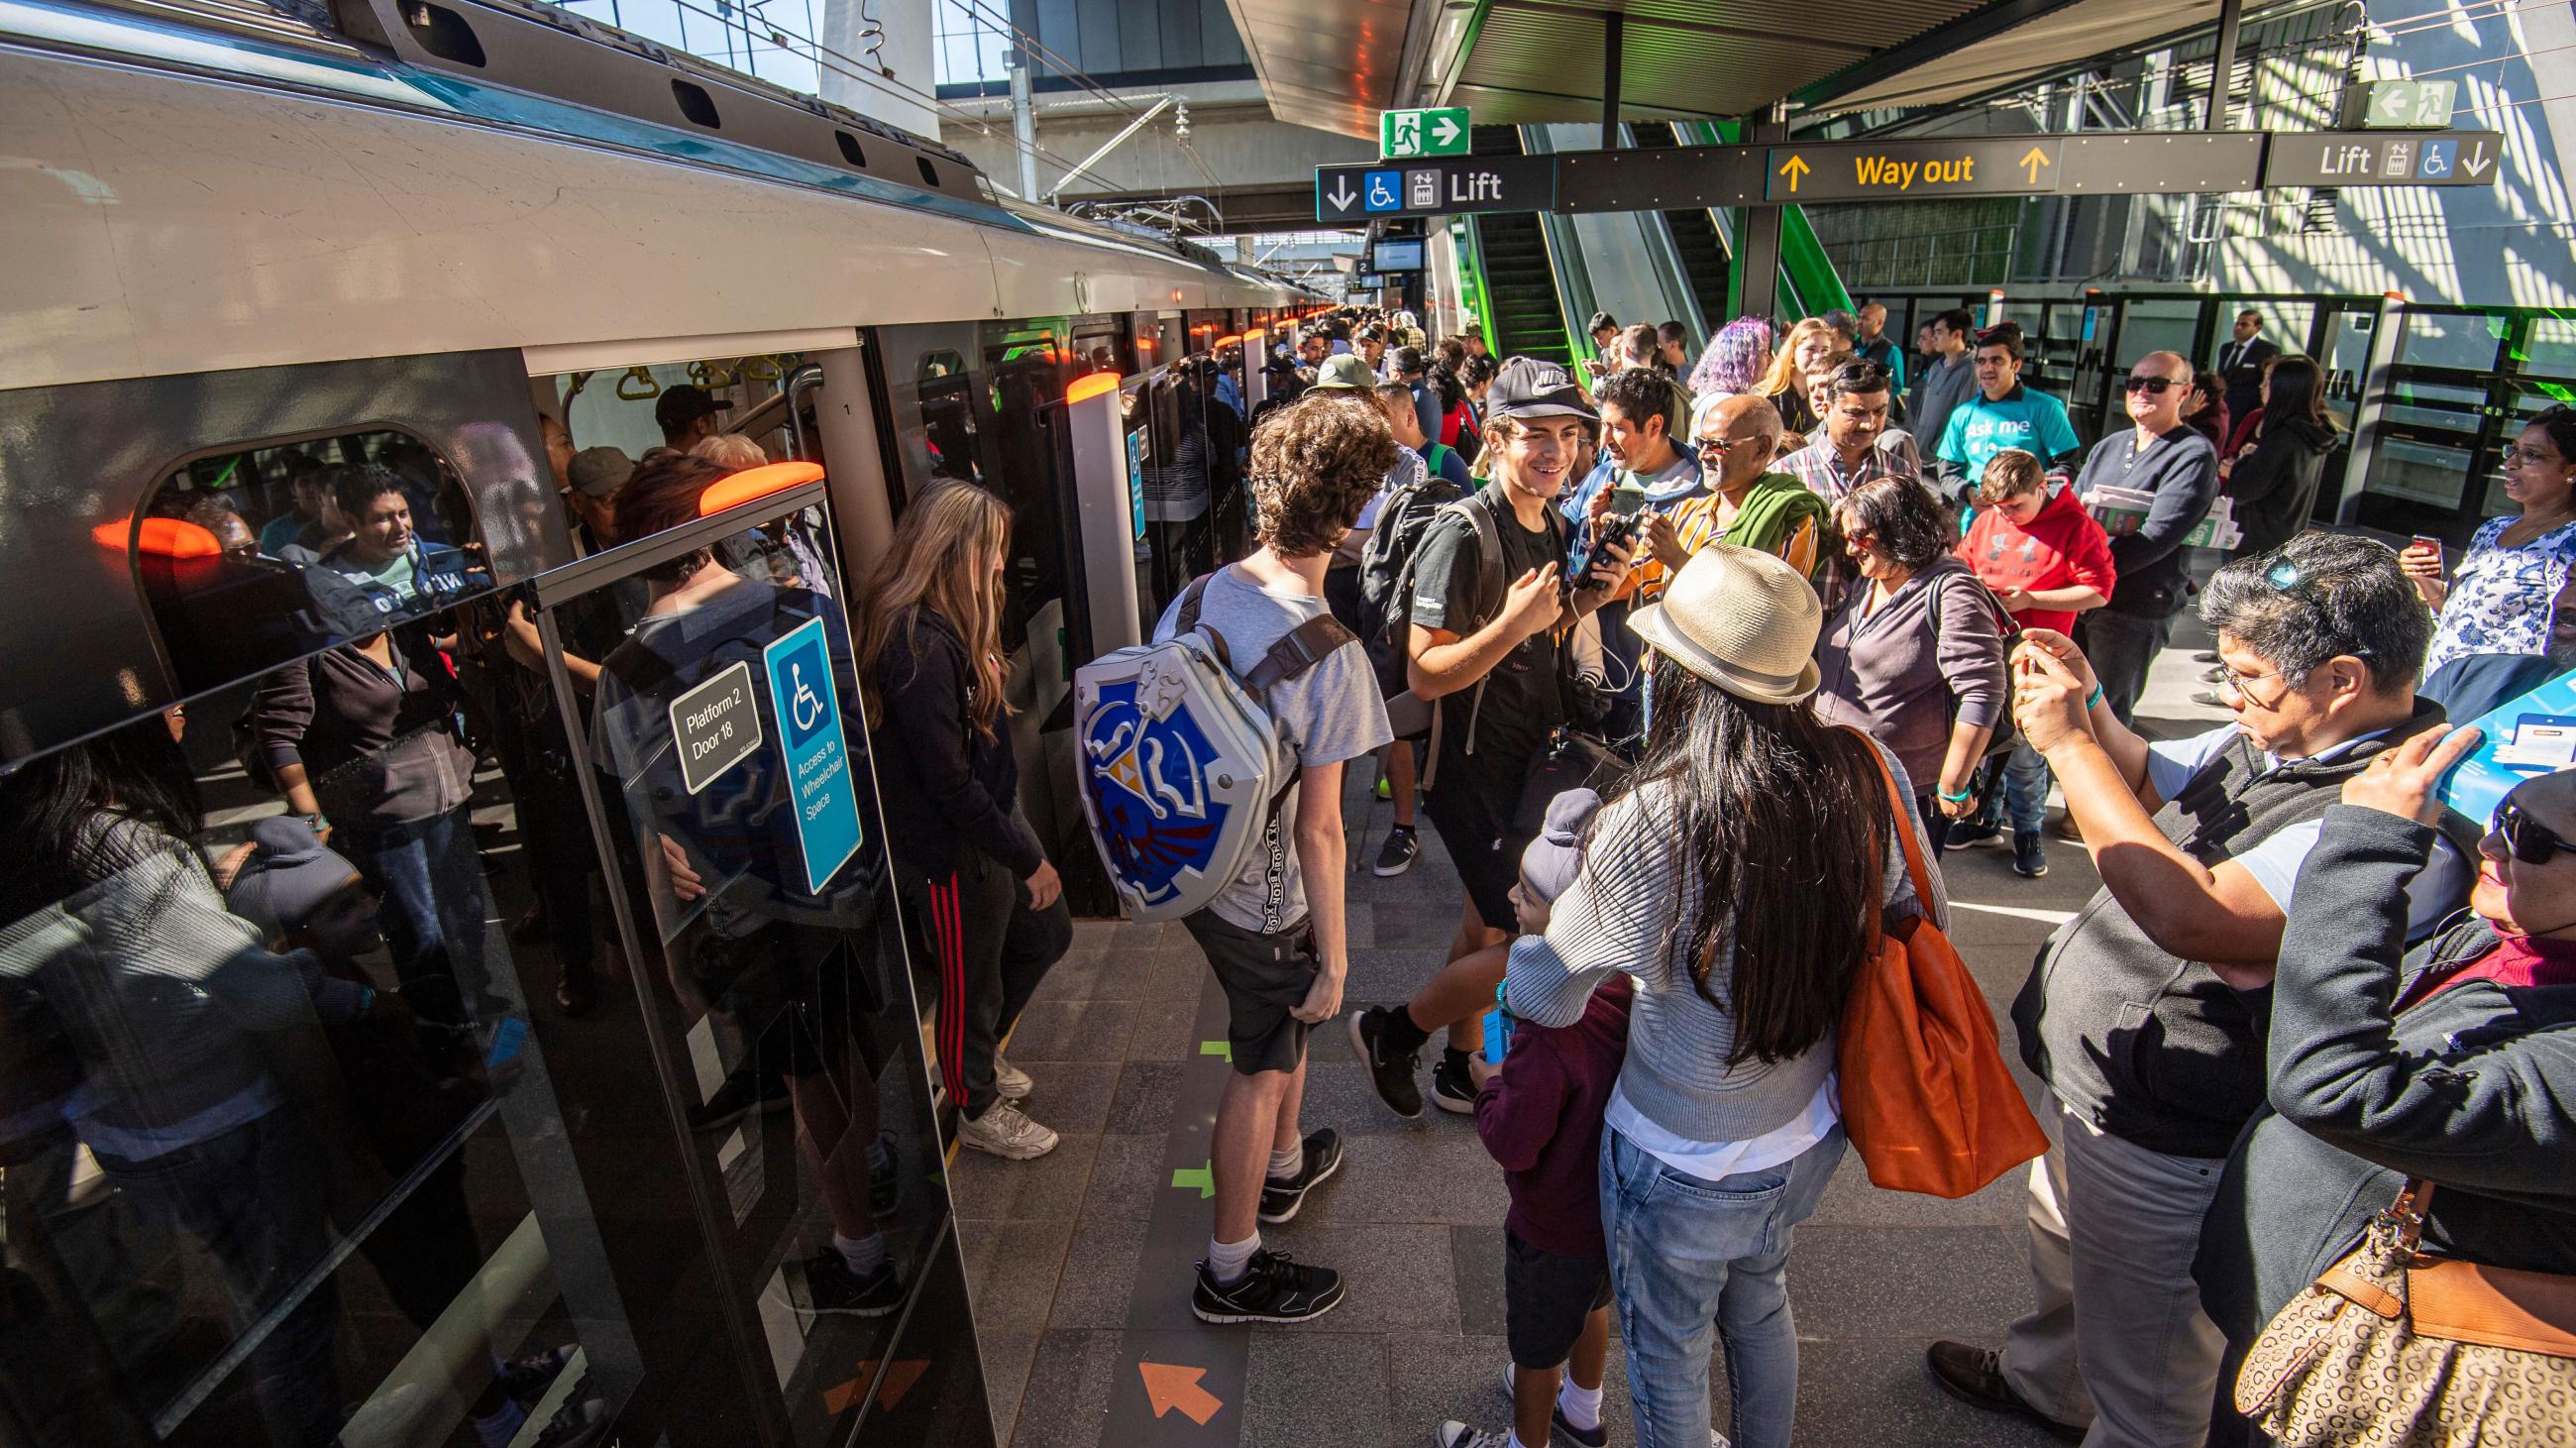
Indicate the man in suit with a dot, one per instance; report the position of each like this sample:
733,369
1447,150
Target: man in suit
2241,361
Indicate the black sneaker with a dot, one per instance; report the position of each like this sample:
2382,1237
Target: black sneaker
580,1422
1452,1089
2029,860
1964,833
831,1287
1281,1199
1390,1071
1276,1289
1397,856
526,1379
738,1097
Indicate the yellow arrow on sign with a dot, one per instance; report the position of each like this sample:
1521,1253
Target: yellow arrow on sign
1794,168
2032,160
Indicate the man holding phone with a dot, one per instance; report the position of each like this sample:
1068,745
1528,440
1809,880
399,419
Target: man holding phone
1640,472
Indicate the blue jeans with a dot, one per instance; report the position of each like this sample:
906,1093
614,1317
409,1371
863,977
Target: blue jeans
1691,1258
431,884
2025,788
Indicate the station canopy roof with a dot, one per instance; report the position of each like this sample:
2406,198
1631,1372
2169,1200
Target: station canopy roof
1335,64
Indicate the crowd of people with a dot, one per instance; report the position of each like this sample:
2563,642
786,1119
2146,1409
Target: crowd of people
1645,671
1681,656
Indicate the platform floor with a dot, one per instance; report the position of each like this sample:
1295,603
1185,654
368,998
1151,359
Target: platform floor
1079,1261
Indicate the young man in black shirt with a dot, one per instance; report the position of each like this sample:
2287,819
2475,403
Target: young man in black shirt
1491,626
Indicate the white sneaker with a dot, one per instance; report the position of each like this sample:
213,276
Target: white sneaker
1454,1434
1009,1081
1005,1132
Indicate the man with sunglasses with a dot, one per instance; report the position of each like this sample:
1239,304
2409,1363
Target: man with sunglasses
2178,468
2145,1014
1746,503
2001,413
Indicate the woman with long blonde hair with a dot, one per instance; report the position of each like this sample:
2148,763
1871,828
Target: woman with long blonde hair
1801,356
969,867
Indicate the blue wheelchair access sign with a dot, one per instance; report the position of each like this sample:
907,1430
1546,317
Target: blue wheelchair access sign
825,797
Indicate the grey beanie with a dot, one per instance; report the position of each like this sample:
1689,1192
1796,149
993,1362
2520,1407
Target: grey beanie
1552,860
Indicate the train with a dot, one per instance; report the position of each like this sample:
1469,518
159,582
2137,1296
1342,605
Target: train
248,242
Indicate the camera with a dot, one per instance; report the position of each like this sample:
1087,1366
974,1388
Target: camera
1617,528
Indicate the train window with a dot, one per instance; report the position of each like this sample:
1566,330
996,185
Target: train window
739,410
929,175
696,104
442,32
850,151
252,556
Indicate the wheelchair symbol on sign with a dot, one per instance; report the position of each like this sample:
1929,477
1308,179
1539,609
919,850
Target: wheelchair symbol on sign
2436,162
1384,190
806,717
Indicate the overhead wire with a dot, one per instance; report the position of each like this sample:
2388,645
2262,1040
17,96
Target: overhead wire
884,82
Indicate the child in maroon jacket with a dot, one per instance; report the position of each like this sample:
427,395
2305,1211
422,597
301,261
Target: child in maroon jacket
1540,1116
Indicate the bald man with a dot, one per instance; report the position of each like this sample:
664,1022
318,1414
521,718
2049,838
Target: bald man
2178,468
1750,503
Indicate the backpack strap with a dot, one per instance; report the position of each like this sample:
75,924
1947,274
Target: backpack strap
1302,648
1186,618
1492,585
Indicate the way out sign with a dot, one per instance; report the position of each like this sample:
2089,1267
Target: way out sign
820,786
1403,135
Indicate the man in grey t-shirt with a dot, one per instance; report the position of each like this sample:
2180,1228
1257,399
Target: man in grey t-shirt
1275,936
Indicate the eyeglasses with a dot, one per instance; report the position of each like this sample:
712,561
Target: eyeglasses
2235,683
2531,842
2156,386
1718,445
1861,376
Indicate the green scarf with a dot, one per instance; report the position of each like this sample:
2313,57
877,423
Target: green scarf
1773,508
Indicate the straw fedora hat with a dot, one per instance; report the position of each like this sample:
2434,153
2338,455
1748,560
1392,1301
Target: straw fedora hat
1741,619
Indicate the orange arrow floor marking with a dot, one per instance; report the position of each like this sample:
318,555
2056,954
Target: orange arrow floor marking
899,1378
1168,1386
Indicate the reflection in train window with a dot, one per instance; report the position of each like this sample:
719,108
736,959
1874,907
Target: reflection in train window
738,411
254,556
268,1087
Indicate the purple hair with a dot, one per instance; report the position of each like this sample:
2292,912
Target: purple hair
1734,359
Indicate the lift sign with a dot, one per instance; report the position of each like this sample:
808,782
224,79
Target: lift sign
820,787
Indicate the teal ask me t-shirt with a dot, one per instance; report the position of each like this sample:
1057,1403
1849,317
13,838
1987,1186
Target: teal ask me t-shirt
1981,427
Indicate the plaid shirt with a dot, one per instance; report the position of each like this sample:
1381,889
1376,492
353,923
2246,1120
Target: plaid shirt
1821,469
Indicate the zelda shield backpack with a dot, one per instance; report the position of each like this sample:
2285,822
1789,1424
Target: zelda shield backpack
1182,768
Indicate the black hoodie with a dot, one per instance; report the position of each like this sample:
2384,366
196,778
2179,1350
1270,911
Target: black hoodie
941,783
2275,485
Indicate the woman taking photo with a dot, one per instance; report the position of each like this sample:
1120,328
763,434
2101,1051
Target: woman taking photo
2498,601
930,650
1914,655
2274,478
1734,879
2449,1063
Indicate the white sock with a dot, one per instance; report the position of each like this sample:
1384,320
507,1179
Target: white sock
1516,1439
497,1428
1228,1261
1286,1164
862,1255
1582,1406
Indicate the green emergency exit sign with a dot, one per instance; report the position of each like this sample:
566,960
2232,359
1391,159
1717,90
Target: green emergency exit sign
1404,135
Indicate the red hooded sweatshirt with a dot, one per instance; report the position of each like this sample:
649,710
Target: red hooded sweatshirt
2062,548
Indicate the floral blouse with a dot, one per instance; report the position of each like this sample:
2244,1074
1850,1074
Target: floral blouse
2499,602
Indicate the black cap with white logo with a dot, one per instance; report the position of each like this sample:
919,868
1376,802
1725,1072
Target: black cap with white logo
1528,388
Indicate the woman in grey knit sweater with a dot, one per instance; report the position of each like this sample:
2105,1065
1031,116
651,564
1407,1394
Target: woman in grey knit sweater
1734,880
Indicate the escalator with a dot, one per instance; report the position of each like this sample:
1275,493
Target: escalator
1702,251
1809,285
1516,278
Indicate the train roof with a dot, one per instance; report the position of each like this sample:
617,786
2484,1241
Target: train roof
208,196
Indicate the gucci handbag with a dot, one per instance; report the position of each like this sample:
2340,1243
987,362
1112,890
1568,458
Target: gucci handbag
2394,1349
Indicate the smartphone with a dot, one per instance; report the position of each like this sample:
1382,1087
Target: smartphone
1616,527
2426,541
